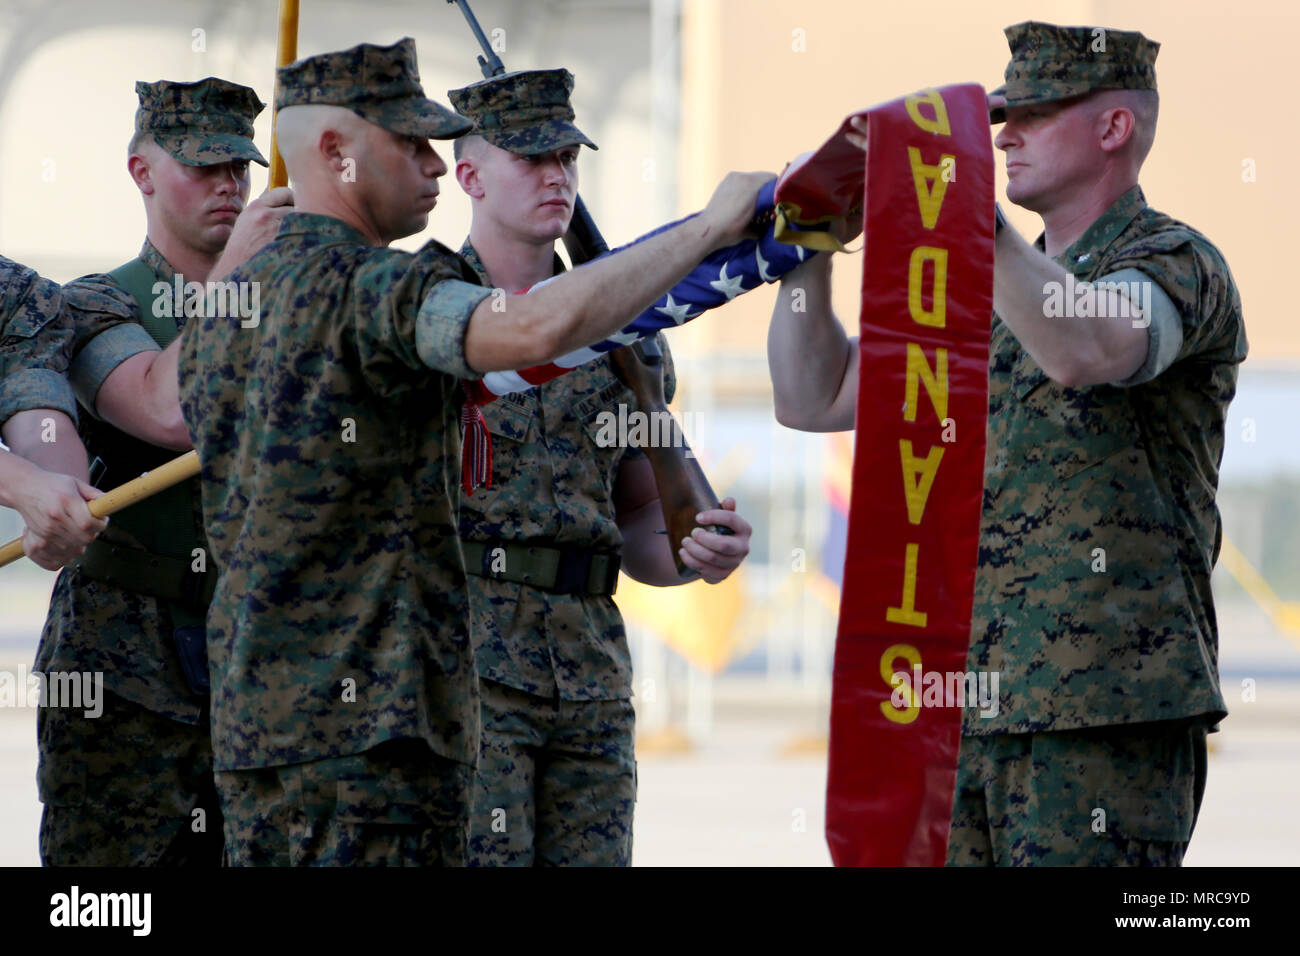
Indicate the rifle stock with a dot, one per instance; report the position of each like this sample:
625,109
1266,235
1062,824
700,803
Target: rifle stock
684,490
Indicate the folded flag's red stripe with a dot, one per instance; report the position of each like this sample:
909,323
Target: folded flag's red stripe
542,373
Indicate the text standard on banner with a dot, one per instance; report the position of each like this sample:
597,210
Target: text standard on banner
927,299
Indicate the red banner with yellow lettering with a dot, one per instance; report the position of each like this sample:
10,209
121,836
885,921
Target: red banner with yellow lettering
909,576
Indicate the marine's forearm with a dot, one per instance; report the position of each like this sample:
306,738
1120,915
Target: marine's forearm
586,305
809,356
49,440
647,554
16,474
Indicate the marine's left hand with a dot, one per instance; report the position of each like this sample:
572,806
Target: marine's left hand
716,555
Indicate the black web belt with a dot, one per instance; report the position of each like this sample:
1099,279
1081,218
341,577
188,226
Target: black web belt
558,570
157,575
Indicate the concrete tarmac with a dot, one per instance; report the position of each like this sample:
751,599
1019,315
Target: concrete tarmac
752,792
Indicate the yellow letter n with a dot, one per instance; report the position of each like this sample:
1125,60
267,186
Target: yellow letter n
935,381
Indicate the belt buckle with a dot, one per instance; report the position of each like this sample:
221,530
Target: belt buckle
610,585
571,575
485,560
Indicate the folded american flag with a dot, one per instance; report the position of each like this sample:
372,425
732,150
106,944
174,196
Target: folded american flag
717,280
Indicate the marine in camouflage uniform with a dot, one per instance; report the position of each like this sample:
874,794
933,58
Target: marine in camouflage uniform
134,785
43,472
35,342
344,700
556,781
1108,671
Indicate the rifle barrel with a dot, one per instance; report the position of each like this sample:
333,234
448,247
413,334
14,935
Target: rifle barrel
489,63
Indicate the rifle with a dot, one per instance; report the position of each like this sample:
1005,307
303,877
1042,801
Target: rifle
684,490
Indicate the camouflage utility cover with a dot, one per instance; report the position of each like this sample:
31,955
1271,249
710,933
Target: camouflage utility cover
200,124
1049,62
378,83
526,112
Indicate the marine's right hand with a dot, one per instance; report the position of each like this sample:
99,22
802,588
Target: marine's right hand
59,524
257,225
731,208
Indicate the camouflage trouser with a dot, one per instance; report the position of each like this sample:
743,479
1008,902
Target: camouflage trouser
556,781
1124,795
397,804
121,789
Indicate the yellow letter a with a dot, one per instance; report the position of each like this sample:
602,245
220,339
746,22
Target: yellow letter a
923,471
930,185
